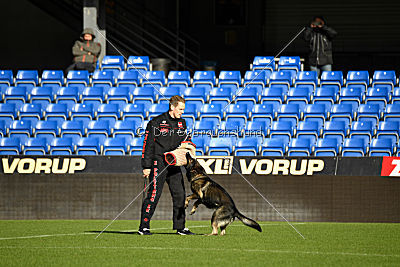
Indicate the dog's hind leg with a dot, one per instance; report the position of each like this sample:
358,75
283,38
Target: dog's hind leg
195,205
214,224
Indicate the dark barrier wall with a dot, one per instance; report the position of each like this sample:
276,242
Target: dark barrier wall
100,187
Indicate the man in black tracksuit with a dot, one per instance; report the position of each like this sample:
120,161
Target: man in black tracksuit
320,36
164,133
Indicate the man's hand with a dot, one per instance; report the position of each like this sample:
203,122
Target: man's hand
146,173
89,53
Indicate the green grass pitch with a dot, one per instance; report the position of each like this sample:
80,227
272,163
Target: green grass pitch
73,243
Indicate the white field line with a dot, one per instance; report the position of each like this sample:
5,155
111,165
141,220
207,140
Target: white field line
154,229
267,251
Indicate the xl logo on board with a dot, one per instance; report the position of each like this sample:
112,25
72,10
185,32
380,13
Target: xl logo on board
43,165
390,166
223,165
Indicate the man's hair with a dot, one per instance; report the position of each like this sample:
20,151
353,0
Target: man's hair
173,101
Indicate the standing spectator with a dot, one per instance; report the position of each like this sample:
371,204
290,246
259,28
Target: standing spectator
320,36
85,52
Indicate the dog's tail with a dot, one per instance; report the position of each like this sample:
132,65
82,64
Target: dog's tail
248,221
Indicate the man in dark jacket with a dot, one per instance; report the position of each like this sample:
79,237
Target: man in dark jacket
86,52
164,133
320,36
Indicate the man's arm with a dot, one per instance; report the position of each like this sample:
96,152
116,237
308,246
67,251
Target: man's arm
329,31
307,34
94,49
148,146
77,50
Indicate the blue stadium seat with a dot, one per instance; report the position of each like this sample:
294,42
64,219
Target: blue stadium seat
381,147
256,78
358,79
62,146
119,95
83,113
99,129
392,112
57,112
165,93
327,147
230,128
205,127
42,96
115,146
89,146
265,64
31,112
80,77
136,146
47,130
389,129
274,96
363,130
249,95
354,147
195,95
72,129
379,96
113,62
249,146
316,113
103,77
109,112
212,112
191,114
238,112
20,129
289,112
68,95
282,129
352,96
138,62
306,79
10,146
342,112
125,129
263,112
3,128
336,130
281,79
154,78
222,146
6,77
299,96
35,146
144,95
230,78
369,112
180,79
308,130
8,113
332,79
222,96
157,109
204,79
93,96
256,128
273,147
134,112
326,96
129,77
16,95
53,78
202,143
384,78
30,77
396,96
299,147
289,64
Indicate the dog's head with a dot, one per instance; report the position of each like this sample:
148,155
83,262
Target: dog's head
193,167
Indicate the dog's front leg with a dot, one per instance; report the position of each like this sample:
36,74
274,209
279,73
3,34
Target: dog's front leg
190,197
195,205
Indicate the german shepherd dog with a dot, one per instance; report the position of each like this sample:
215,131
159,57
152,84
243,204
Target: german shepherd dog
213,196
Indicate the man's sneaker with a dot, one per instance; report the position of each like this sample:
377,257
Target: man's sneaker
144,231
185,231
